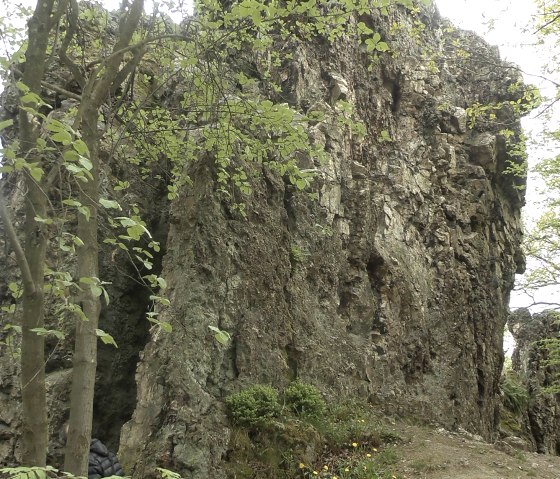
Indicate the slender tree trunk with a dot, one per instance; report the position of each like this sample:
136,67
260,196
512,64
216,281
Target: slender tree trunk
33,388
85,352
94,94
33,347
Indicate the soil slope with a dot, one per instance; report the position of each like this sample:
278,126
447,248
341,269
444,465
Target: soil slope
440,454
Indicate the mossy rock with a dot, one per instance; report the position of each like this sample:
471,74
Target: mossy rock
273,451
510,422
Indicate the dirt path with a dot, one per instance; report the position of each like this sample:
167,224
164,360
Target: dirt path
439,454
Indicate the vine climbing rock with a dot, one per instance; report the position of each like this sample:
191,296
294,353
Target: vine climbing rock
391,285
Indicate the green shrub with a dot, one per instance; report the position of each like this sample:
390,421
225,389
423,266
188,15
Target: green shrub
254,406
304,399
516,397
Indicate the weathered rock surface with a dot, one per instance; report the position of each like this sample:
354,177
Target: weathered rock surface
392,287
541,420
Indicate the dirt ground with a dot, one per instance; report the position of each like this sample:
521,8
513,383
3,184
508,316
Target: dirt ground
440,454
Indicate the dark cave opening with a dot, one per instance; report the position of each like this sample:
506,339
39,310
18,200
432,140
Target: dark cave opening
125,319
115,389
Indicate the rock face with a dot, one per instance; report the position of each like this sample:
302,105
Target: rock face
392,287
541,420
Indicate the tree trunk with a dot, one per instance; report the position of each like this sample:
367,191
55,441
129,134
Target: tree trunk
32,348
95,93
33,388
85,352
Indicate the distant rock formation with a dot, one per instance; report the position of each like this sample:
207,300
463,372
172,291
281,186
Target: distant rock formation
541,421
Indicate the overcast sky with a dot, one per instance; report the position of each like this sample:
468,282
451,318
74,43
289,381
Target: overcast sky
504,23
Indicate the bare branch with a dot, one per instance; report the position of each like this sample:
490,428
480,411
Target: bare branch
542,27
50,86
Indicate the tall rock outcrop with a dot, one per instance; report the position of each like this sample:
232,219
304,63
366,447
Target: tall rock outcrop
540,419
392,286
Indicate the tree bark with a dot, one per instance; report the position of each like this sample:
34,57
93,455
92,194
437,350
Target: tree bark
85,349
96,90
33,390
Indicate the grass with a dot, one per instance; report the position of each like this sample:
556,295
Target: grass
347,441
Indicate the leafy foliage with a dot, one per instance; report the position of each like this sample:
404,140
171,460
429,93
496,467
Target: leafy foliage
304,399
254,406
515,395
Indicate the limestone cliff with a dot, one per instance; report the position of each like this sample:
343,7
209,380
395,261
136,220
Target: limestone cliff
392,287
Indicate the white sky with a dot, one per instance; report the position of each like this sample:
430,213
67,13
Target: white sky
504,23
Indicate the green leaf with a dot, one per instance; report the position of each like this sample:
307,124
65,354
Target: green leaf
74,308
36,172
22,87
80,147
54,125
96,290
105,296
71,203
85,162
110,204
5,124
165,326
85,211
77,241
126,221
62,137
39,331
46,221
47,332
223,337
70,155
106,338
382,47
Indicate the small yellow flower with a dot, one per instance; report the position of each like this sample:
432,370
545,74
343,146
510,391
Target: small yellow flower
301,465
368,455
326,468
335,477
315,473
374,449
354,444
346,470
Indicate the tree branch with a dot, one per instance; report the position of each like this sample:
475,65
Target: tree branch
21,259
128,68
70,32
50,86
556,17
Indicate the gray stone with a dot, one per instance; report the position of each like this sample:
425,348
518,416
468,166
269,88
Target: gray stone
402,303
483,150
540,422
